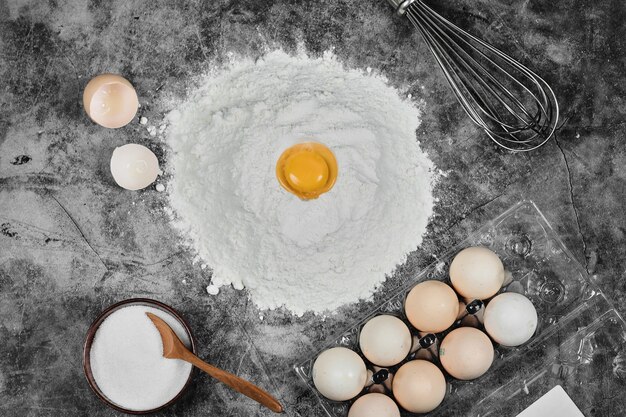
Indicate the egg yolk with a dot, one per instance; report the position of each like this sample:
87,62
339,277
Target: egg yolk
306,171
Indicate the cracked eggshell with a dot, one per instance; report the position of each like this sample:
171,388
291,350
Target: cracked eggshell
110,100
134,166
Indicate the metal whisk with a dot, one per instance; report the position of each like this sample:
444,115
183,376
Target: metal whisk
515,106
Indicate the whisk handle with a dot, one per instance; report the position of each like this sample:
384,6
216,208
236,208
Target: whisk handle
400,6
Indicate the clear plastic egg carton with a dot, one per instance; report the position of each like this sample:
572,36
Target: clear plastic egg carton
537,265
590,366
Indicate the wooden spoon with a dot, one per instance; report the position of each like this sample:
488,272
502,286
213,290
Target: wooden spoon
173,348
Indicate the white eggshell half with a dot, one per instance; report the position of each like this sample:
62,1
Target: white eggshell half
134,166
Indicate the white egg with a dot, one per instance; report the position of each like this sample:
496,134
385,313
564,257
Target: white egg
374,405
510,319
339,374
385,340
134,166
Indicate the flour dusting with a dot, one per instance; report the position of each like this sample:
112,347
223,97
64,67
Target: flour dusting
311,255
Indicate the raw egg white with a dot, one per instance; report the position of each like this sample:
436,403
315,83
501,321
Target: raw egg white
431,306
134,166
385,340
466,353
510,319
419,386
339,374
476,273
374,405
110,100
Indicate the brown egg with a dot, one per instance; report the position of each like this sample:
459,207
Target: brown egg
466,353
431,306
110,100
476,273
419,386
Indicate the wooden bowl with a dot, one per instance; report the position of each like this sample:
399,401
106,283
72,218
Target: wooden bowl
92,332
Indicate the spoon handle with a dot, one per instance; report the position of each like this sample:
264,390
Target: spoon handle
240,385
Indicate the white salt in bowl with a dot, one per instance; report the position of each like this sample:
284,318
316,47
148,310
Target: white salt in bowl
157,394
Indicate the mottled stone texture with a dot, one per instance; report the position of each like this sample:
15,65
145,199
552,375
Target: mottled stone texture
71,242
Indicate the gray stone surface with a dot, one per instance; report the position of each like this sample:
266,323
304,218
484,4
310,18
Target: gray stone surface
72,242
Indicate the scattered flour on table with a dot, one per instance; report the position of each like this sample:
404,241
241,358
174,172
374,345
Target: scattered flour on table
303,255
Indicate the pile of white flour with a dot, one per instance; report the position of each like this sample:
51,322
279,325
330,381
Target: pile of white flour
304,255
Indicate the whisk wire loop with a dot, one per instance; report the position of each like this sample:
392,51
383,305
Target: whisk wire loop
517,109
486,85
